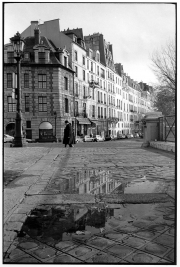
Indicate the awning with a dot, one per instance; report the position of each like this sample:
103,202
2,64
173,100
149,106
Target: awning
96,122
45,125
83,121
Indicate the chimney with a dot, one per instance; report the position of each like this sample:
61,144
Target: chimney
37,36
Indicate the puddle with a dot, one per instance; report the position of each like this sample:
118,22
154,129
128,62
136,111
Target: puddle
52,225
101,182
142,187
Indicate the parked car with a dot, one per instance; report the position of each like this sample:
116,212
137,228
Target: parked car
98,138
136,135
108,138
87,138
129,136
8,138
28,140
79,139
121,136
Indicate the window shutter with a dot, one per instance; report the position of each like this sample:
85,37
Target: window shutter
14,80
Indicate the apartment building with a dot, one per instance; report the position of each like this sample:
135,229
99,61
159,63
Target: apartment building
47,88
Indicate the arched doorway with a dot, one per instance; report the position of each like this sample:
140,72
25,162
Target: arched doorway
45,131
10,128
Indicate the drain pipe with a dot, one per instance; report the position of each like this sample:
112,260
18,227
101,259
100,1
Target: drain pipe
75,128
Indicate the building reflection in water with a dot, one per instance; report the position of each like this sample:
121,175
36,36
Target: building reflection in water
90,182
59,223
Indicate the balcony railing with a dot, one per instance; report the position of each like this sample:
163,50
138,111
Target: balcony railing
86,96
93,84
82,114
113,119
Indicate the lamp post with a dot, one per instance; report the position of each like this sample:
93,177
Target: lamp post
55,117
18,45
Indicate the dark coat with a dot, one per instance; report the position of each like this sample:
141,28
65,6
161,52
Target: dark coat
68,135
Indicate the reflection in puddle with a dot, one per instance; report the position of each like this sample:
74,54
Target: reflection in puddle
89,182
102,182
65,223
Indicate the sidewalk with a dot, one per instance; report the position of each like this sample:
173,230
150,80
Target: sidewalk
167,146
130,221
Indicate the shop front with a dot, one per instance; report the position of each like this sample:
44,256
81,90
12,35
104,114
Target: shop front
97,128
46,132
83,125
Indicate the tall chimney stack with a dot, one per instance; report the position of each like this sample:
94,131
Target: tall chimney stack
37,36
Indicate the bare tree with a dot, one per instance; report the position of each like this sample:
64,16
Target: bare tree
164,66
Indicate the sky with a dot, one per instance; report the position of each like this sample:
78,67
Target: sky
135,30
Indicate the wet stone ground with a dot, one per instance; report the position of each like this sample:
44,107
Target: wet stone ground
109,233
99,181
101,232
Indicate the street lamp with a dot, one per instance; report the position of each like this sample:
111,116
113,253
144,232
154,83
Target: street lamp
18,45
55,117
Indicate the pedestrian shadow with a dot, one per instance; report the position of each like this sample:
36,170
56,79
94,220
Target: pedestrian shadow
10,177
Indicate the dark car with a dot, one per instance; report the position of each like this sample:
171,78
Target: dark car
121,136
108,138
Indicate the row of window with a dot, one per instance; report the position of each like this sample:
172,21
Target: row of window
42,104
42,107
42,81
42,84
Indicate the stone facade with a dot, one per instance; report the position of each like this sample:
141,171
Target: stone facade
53,90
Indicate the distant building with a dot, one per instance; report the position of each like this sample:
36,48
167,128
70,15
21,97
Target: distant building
79,81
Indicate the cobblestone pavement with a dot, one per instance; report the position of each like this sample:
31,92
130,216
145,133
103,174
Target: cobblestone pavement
94,203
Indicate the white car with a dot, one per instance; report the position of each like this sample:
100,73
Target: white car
87,138
98,138
8,138
79,139
129,136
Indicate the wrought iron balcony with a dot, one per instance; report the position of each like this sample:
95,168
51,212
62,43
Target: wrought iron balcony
113,119
93,84
82,114
86,96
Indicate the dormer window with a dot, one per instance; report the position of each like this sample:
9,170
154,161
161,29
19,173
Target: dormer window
26,56
41,57
65,62
75,39
90,54
98,57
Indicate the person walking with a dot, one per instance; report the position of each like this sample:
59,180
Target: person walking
73,134
68,135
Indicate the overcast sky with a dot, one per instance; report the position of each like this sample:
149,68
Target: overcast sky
134,29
